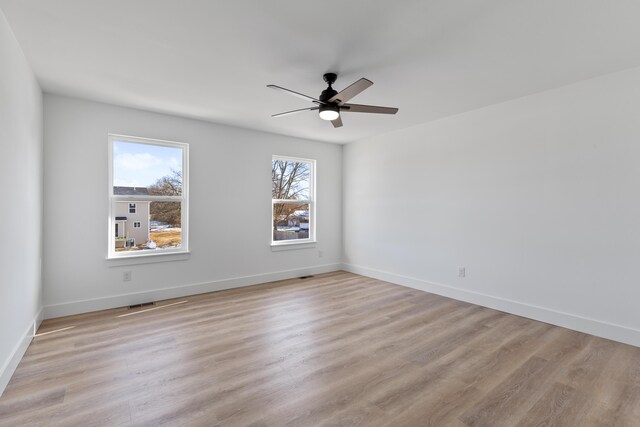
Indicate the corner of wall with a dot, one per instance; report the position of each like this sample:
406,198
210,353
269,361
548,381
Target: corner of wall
10,365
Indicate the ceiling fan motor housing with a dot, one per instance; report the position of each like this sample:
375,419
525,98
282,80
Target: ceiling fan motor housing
327,108
327,94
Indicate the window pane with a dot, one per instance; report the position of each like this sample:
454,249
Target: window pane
290,180
154,225
146,169
165,224
290,221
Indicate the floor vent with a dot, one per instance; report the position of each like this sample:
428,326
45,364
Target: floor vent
145,304
305,277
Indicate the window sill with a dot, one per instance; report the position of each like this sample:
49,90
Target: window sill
277,247
147,259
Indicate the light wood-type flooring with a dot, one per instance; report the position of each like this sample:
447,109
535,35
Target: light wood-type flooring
337,349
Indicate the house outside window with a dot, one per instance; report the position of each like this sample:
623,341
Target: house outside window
148,192
292,200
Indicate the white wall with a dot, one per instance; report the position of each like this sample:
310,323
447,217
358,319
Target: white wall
230,202
21,212
538,198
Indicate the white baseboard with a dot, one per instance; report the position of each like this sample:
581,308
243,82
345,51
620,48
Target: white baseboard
85,306
9,366
566,320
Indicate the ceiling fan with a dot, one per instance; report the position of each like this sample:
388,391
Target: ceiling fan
331,103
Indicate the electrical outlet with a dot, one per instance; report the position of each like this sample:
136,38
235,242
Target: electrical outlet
462,272
126,276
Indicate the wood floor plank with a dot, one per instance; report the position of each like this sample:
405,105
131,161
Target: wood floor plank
336,349
498,405
549,409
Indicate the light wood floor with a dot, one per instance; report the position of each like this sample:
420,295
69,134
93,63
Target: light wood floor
336,349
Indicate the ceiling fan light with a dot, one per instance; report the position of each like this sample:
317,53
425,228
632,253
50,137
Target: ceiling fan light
329,112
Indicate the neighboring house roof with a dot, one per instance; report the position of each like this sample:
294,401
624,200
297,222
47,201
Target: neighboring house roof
130,191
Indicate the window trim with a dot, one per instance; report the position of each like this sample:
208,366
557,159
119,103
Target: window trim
133,206
312,201
184,199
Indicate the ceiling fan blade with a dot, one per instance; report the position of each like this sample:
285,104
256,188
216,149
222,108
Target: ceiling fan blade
295,111
351,91
337,122
294,93
359,108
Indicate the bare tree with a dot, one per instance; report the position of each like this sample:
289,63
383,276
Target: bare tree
170,185
167,212
289,180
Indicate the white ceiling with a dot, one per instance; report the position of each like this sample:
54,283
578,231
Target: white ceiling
212,59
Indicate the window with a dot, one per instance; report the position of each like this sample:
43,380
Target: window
148,192
292,200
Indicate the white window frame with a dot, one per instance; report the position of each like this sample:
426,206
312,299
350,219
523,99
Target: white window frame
311,202
135,208
184,199
137,224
